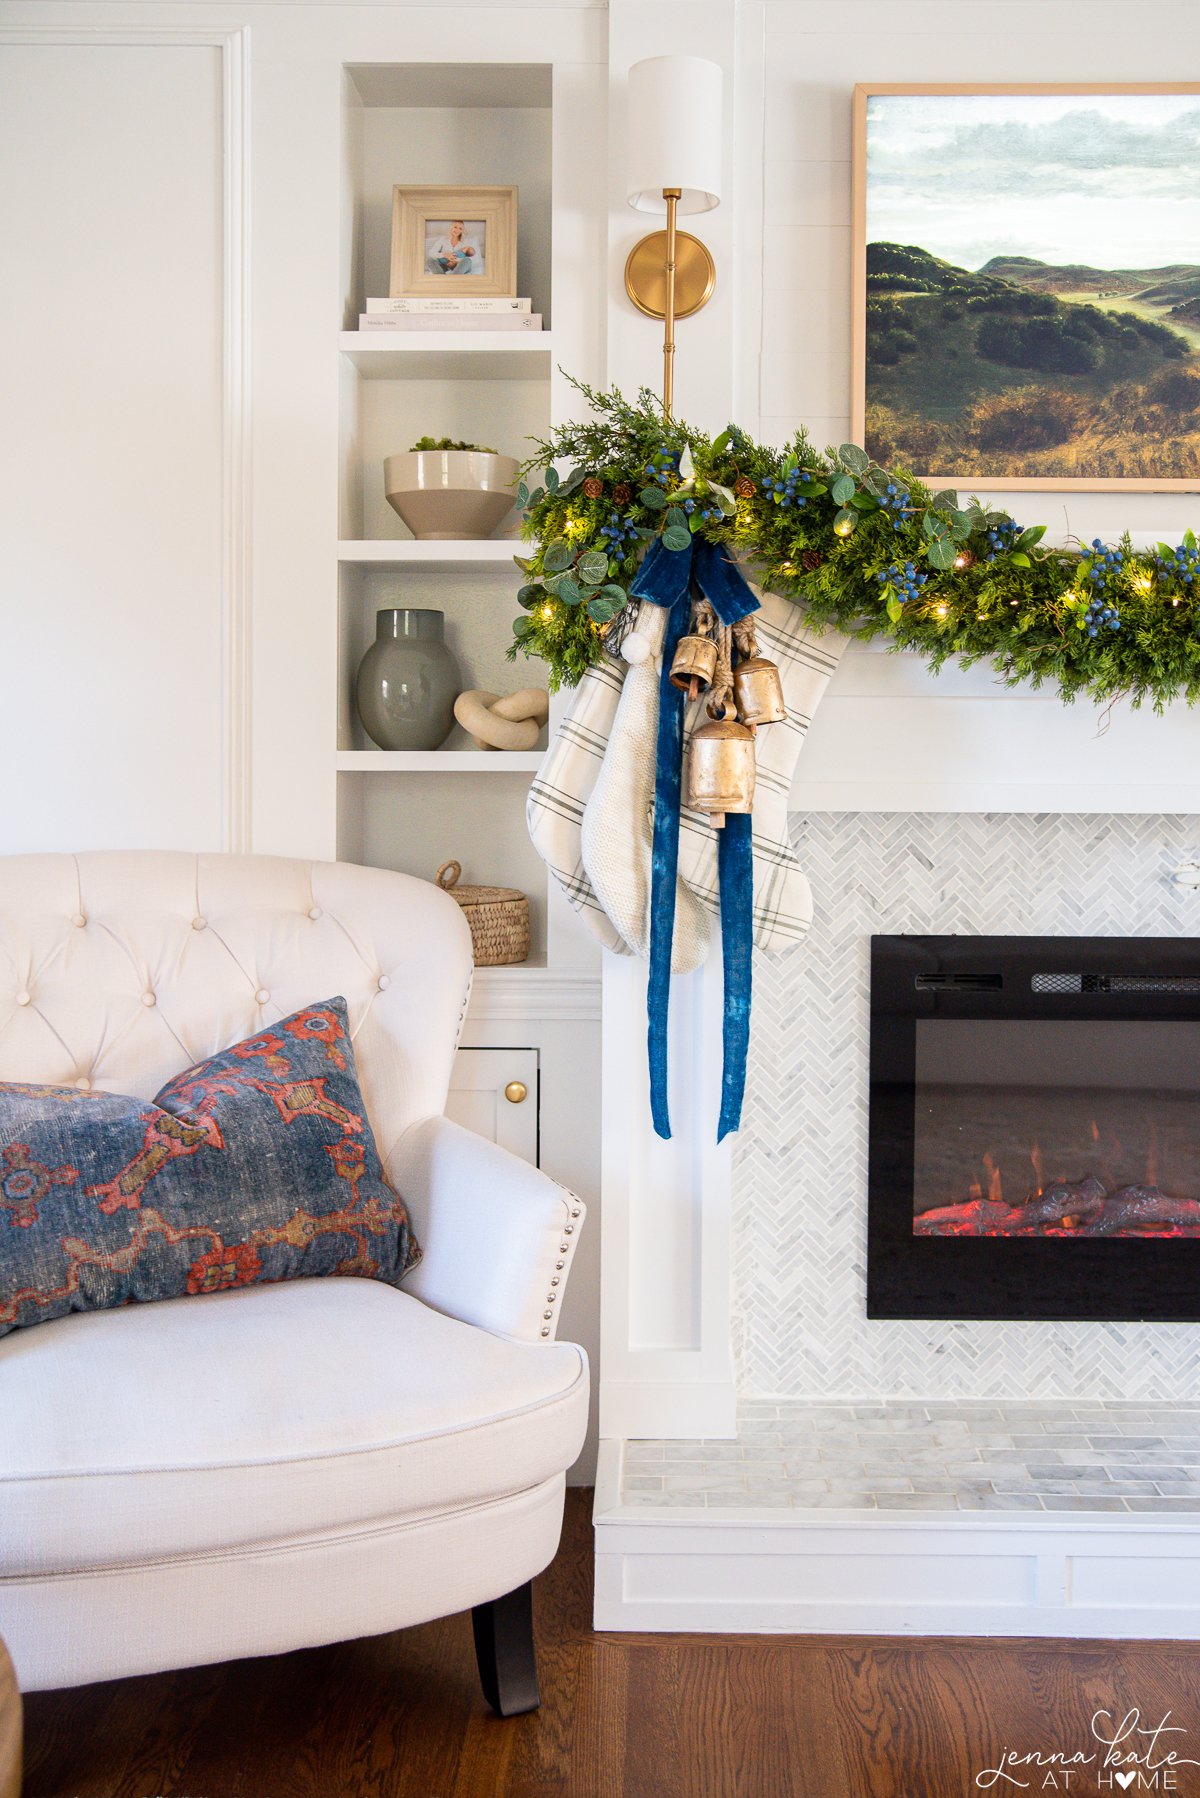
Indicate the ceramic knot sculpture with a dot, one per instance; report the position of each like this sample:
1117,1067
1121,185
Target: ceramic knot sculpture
511,721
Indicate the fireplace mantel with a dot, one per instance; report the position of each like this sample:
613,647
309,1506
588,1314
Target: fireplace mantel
891,736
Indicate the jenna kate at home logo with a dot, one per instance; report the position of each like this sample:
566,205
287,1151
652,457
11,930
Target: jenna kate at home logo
1124,1755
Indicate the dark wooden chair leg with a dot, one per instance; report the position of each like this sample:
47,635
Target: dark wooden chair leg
505,1652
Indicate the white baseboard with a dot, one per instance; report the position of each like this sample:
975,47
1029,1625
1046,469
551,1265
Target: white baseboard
1087,1574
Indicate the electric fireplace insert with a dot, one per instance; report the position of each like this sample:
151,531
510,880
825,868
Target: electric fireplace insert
1035,1128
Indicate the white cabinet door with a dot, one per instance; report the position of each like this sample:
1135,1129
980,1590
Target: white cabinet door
495,1093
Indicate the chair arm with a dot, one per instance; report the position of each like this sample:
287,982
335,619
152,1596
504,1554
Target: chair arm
497,1236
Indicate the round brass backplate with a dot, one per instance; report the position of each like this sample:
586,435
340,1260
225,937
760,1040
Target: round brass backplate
646,274
516,1092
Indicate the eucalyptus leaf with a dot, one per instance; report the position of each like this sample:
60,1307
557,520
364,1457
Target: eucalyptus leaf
946,500
536,498
592,566
865,502
569,590
676,515
935,527
570,482
601,610
522,494
844,517
616,594
854,458
558,556
842,487
528,593
552,482
677,537
941,554
653,498
522,627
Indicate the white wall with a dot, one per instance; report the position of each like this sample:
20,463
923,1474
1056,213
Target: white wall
111,596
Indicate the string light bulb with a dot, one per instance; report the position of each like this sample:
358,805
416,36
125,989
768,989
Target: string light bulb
843,527
547,612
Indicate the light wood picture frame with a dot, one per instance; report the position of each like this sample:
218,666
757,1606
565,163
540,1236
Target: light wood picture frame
1015,214
454,240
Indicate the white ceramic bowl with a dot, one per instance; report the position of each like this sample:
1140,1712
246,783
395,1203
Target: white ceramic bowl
450,494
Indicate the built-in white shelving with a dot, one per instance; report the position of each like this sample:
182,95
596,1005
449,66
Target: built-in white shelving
449,355
438,761
406,553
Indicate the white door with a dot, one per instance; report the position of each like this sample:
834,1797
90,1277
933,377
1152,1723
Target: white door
495,1093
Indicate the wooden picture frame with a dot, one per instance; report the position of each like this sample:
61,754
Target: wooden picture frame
430,255
973,453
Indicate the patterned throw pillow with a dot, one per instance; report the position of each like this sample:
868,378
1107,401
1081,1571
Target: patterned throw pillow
258,1165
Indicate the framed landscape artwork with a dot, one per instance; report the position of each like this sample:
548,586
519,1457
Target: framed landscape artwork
1027,284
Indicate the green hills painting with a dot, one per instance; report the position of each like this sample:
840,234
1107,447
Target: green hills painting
1032,286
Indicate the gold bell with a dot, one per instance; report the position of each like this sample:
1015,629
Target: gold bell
721,769
758,691
695,661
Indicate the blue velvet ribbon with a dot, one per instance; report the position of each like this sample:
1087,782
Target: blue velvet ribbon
671,578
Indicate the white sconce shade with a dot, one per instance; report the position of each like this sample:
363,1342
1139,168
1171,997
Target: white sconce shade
674,133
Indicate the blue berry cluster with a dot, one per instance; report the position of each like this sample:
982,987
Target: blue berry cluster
1183,565
896,501
1001,538
906,580
661,466
707,513
1107,563
784,492
617,532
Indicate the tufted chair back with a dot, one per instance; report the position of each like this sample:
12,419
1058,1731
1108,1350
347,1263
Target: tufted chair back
119,970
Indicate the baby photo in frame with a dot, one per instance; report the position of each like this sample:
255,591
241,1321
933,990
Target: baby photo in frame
451,239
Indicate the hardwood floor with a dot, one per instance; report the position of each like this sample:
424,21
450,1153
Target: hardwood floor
622,1716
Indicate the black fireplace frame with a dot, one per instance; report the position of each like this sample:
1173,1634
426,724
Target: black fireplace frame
1115,1279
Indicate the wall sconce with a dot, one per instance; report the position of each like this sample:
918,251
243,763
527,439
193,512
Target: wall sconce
674,165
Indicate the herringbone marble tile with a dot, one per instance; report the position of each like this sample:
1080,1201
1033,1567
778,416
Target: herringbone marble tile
801,1157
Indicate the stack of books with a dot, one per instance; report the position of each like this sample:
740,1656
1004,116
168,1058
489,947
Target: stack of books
453,313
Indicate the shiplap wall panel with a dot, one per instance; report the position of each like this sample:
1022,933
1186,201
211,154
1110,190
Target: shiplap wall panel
111,457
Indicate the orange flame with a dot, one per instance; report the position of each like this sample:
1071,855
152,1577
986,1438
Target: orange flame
1039,1166
995,1190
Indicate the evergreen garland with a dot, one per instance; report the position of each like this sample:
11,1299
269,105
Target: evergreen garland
869,551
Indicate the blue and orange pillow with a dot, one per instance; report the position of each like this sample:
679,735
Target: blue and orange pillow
256,1166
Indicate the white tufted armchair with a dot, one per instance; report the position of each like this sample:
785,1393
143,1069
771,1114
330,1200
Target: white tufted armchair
269,1468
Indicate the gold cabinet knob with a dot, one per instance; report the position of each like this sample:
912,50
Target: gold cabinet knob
516,1092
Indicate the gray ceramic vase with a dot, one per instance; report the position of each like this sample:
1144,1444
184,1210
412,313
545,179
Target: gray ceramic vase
408,681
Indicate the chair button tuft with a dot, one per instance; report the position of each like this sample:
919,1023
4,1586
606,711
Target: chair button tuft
315,912
149,999
79,920
261,996
385,980
23,999
199,923
85,1086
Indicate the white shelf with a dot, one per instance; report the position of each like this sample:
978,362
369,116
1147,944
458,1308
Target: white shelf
405,552
449,355
438,761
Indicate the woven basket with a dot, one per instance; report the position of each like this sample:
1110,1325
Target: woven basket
498,917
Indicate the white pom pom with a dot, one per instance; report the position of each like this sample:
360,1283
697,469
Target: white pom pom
636,648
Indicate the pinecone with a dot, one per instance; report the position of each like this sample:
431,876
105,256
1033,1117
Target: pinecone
744,487
592,488
622,493
811,560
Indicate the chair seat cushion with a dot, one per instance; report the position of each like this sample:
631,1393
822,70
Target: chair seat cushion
269,1412
258,1164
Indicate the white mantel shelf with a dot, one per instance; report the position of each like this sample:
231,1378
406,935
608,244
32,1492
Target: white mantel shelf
438,761
408,554
890,736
